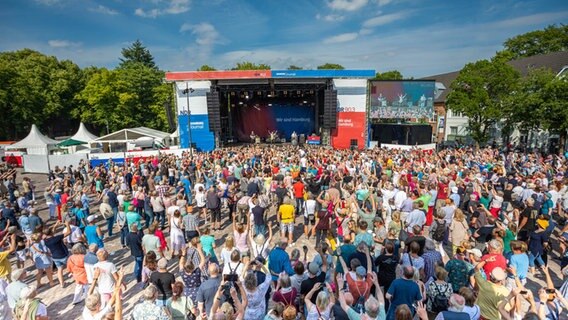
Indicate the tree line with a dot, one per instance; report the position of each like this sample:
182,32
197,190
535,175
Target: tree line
491,92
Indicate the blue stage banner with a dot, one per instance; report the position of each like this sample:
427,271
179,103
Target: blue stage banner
323,73
203,139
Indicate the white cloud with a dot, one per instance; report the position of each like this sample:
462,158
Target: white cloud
344,37
166,7
330,17
63,43
384,2
347,5
104,10
48,2
532,19
206,37
382,20
365,31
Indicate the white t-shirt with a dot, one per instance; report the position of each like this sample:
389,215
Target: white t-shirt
75,235
237,268
105,283
310,206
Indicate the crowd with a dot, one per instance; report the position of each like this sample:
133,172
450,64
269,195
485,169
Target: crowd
286,232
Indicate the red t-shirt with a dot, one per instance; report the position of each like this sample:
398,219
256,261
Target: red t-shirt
298,189
500,261
442,191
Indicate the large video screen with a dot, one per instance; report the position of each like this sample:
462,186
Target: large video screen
402,99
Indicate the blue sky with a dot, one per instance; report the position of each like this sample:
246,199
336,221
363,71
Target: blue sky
417,37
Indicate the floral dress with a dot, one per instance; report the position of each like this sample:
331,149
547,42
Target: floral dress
191,282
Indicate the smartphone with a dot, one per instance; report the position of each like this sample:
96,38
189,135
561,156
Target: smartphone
524,291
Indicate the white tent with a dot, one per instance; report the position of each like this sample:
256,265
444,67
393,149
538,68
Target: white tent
83,134
35,143
124,136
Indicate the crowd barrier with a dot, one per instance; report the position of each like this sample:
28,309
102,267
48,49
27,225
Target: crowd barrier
35,163
425,147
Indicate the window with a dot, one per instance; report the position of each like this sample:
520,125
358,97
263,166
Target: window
454,130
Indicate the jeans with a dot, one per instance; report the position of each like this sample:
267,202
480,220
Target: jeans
149,217
138,268
259,229
123,234
52,207
299,206
160,217
110,225
535,258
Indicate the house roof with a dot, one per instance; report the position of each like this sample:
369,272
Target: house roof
132,134
34,139
554,61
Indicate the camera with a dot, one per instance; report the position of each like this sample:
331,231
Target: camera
230,278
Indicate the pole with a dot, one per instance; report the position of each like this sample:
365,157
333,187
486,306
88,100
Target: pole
187,90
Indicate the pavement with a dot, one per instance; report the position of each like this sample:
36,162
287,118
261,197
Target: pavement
58,300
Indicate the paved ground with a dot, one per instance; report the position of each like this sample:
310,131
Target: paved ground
59,299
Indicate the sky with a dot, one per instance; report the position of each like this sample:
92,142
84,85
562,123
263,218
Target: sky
417,37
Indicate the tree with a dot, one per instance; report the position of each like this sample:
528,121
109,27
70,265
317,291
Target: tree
529,98
294,67
389,75
555,108
125,97
552,39
206,68
330,66
35,89
481,92
246,65
137,53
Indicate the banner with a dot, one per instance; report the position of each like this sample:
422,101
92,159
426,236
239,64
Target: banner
402,99
350,126
201,137
36,163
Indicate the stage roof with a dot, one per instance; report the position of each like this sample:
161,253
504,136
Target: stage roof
267,74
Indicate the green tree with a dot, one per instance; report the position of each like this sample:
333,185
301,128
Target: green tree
481,92
35,89
555,108
294,67
529,98
247,65
389,75
330,66
206,68
552,39
137,53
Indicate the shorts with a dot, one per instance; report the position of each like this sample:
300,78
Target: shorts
287,227
22,255
309,221
60,263
191,234
215,215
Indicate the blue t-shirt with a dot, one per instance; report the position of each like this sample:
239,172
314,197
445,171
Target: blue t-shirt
403,292
521,263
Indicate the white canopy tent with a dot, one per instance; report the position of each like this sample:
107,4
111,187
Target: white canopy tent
83,134
35,143
124,136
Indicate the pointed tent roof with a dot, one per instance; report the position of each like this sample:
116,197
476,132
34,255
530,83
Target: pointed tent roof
83,134
131,134
35,139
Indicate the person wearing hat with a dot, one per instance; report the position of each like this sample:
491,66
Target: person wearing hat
93,233
538,240
491,292
15,287
455,195
315,275
29,306
361,285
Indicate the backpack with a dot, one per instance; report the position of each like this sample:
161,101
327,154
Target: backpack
440,231
439,302
359,306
